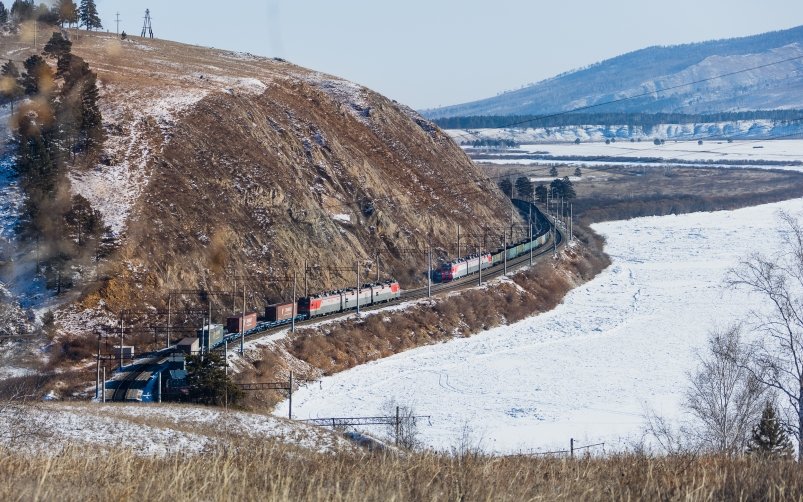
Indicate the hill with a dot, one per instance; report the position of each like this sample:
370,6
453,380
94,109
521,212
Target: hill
219,164
657,74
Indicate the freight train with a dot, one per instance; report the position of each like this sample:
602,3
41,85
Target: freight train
471,264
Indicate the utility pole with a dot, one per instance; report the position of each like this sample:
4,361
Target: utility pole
306,294
458,241
290,400
571,447
118,24
479,257
377,267
505,253
97,377
104,384
121,339
295,302
147,29
169,298
531,234
429,272
358,286
242,324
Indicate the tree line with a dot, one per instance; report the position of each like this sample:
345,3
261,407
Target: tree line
646,121
527,190
57,121
63,12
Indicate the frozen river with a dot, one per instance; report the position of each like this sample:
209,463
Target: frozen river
587,369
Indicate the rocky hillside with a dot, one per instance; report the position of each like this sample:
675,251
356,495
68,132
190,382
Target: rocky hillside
221,164
658,74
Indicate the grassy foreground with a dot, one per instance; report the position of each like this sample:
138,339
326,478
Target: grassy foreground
279,472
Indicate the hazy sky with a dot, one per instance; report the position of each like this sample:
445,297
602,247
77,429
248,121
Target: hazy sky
428,53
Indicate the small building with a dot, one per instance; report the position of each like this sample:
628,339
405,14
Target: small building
189,345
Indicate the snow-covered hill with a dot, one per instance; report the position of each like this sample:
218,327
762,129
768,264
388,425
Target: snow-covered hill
659,74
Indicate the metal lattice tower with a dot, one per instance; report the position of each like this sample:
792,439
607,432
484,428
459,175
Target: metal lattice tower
147,29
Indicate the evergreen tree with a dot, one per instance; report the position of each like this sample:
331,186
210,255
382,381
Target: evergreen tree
38,77
507,187
67,12
578,172
22,10
769,439
208,382
10,88
553,171
524,187
57,46
540,193
88,14
3,14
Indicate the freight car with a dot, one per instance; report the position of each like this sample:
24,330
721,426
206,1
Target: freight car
210,336
240,323
462,267
347,299
280,312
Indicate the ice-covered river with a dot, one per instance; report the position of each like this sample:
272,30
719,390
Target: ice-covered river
587,369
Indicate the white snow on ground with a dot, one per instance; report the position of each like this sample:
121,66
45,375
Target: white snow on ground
707,154
350,94
162,429
739,129
587,369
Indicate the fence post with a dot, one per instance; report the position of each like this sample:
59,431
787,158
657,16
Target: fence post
571,447
290,403
397,426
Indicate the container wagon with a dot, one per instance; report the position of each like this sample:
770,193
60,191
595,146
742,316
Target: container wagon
240,323
280,312
210,336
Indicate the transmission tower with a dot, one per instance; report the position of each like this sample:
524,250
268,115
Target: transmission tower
147,29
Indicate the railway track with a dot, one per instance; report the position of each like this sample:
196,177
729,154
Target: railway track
462,283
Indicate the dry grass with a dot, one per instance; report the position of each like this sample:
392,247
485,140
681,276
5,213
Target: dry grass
270,471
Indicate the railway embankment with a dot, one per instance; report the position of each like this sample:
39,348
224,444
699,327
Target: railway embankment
336,346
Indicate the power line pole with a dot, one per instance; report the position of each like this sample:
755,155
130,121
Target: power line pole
242,324
358,286
147,29
118,24
429,272
293,321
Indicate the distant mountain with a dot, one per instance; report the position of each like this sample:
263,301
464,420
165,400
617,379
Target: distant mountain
658,73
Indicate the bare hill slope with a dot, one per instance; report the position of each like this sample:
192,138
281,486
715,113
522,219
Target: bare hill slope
219,163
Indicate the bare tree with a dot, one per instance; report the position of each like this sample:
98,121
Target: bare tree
405,429
724,398
777,355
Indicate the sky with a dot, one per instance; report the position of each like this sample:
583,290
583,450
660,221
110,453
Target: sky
429,53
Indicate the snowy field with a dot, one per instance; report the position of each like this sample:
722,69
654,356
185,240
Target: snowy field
588,369
598,153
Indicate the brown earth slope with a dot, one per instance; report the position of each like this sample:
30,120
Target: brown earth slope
221,163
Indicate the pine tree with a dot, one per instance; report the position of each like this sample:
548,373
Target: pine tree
524,187
208,382
88,14
540,193
769,439
57,46
22,10
578,172
67,12
10,88
507,187
553,171
38,77
3,14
